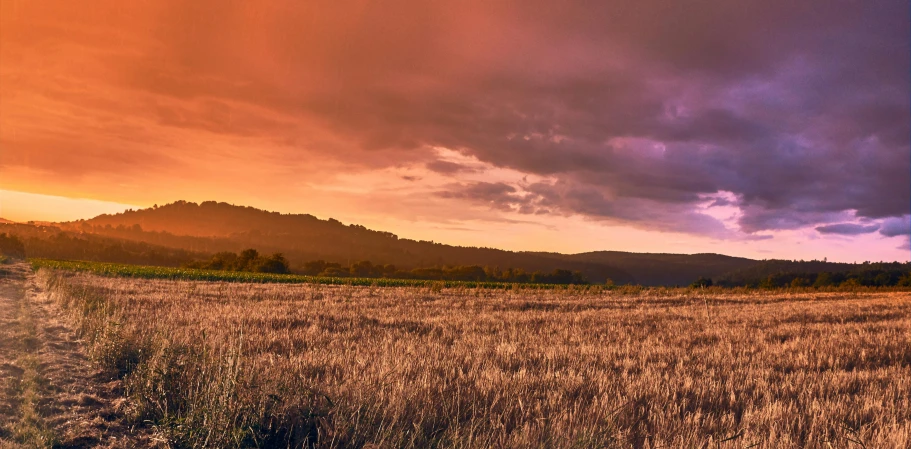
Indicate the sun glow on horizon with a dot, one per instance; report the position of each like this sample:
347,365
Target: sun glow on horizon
23,207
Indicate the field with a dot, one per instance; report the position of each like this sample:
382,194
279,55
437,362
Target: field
219,364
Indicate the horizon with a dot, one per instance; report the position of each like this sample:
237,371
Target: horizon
756,129
115,209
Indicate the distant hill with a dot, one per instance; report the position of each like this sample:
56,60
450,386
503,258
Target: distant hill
211,227
665,269
53,242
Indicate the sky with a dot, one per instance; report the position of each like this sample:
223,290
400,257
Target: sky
765,129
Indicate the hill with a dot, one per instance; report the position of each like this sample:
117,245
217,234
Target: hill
53,242
665,269
210,227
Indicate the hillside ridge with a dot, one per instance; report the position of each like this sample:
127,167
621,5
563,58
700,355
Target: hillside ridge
210,227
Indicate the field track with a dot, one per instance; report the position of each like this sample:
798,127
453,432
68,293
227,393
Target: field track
52,396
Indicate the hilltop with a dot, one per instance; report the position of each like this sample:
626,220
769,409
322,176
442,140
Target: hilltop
184,232
213,226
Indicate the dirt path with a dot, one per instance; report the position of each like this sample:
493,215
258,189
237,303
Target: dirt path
51,395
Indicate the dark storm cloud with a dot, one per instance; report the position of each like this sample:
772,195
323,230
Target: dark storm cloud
847,229
637,110
498,195
565,199
896,226
800,111
448,168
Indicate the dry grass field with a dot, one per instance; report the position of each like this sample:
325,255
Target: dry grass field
213,364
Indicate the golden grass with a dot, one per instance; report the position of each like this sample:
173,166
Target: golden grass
223,365
22,384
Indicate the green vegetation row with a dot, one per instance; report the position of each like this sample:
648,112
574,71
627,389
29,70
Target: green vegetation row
783,274
251,260
195,274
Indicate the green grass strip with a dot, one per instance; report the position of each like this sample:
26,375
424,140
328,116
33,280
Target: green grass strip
193,274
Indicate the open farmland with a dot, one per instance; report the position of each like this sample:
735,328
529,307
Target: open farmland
216,364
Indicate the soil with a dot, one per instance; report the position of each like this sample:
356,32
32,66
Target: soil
51,394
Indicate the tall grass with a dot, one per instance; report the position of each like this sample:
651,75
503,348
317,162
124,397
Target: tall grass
217,364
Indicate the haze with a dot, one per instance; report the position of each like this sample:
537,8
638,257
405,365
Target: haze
765,129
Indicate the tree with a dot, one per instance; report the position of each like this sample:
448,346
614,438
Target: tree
702,282
579,278
315,267
799,282
222,261
245,260
823,279
275,263
850,282
335,271
905,280
362,269
11,246
883,279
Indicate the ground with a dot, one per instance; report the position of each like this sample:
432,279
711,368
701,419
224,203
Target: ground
52,395
226,364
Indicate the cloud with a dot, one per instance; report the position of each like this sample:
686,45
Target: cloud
847,229
896,226
906,245
560,199
448,168
498,195
721,202
635,110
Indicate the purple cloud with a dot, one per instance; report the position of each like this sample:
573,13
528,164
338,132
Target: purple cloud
896,226
847,229
448,168
636,111
498,195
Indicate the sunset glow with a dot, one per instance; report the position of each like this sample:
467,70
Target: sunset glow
764,130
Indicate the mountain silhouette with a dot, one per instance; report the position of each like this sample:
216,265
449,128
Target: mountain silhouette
212,226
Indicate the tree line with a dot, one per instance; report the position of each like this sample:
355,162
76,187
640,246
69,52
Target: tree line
11,246
247,260
869,275
251,260
51,242
365,268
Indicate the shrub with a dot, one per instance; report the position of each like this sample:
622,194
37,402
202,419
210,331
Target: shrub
11,246
702,282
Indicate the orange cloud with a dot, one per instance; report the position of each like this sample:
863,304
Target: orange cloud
625,115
